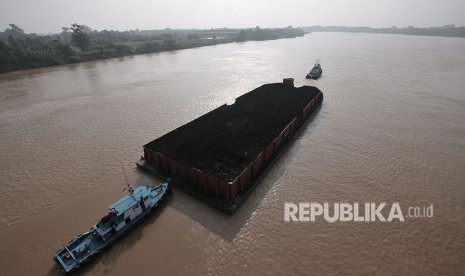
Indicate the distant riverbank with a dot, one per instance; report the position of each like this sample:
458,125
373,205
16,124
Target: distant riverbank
445,30
79,43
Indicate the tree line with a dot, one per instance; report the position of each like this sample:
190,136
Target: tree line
78,43
445,30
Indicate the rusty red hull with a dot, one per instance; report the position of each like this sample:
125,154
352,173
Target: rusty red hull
222,153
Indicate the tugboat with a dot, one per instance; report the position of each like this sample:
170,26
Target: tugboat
123,215
316,71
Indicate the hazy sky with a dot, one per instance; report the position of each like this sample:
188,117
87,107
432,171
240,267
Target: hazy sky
42,16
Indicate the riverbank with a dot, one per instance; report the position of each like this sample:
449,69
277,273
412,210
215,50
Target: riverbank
445,30
80,43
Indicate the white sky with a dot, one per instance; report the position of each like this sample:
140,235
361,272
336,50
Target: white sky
43,16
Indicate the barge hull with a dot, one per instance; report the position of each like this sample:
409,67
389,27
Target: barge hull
218,156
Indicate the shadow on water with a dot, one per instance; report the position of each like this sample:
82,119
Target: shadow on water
228,226
104,260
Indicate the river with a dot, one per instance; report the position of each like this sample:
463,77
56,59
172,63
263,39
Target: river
391,129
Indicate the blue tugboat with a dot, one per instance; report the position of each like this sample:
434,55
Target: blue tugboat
123,215
316,71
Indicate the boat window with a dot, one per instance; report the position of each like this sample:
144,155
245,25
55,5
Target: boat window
127,220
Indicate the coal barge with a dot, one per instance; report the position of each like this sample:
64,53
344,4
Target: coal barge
219,156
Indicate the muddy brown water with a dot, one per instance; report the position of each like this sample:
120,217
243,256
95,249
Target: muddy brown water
391,129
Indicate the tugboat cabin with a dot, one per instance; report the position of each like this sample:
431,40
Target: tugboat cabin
122,212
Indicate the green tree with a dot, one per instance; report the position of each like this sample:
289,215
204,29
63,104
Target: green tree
63,50
17,51
15,32
79,36
242,36
169,41
5,56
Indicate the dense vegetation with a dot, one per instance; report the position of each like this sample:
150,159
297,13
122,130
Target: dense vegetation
446,30
77,43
